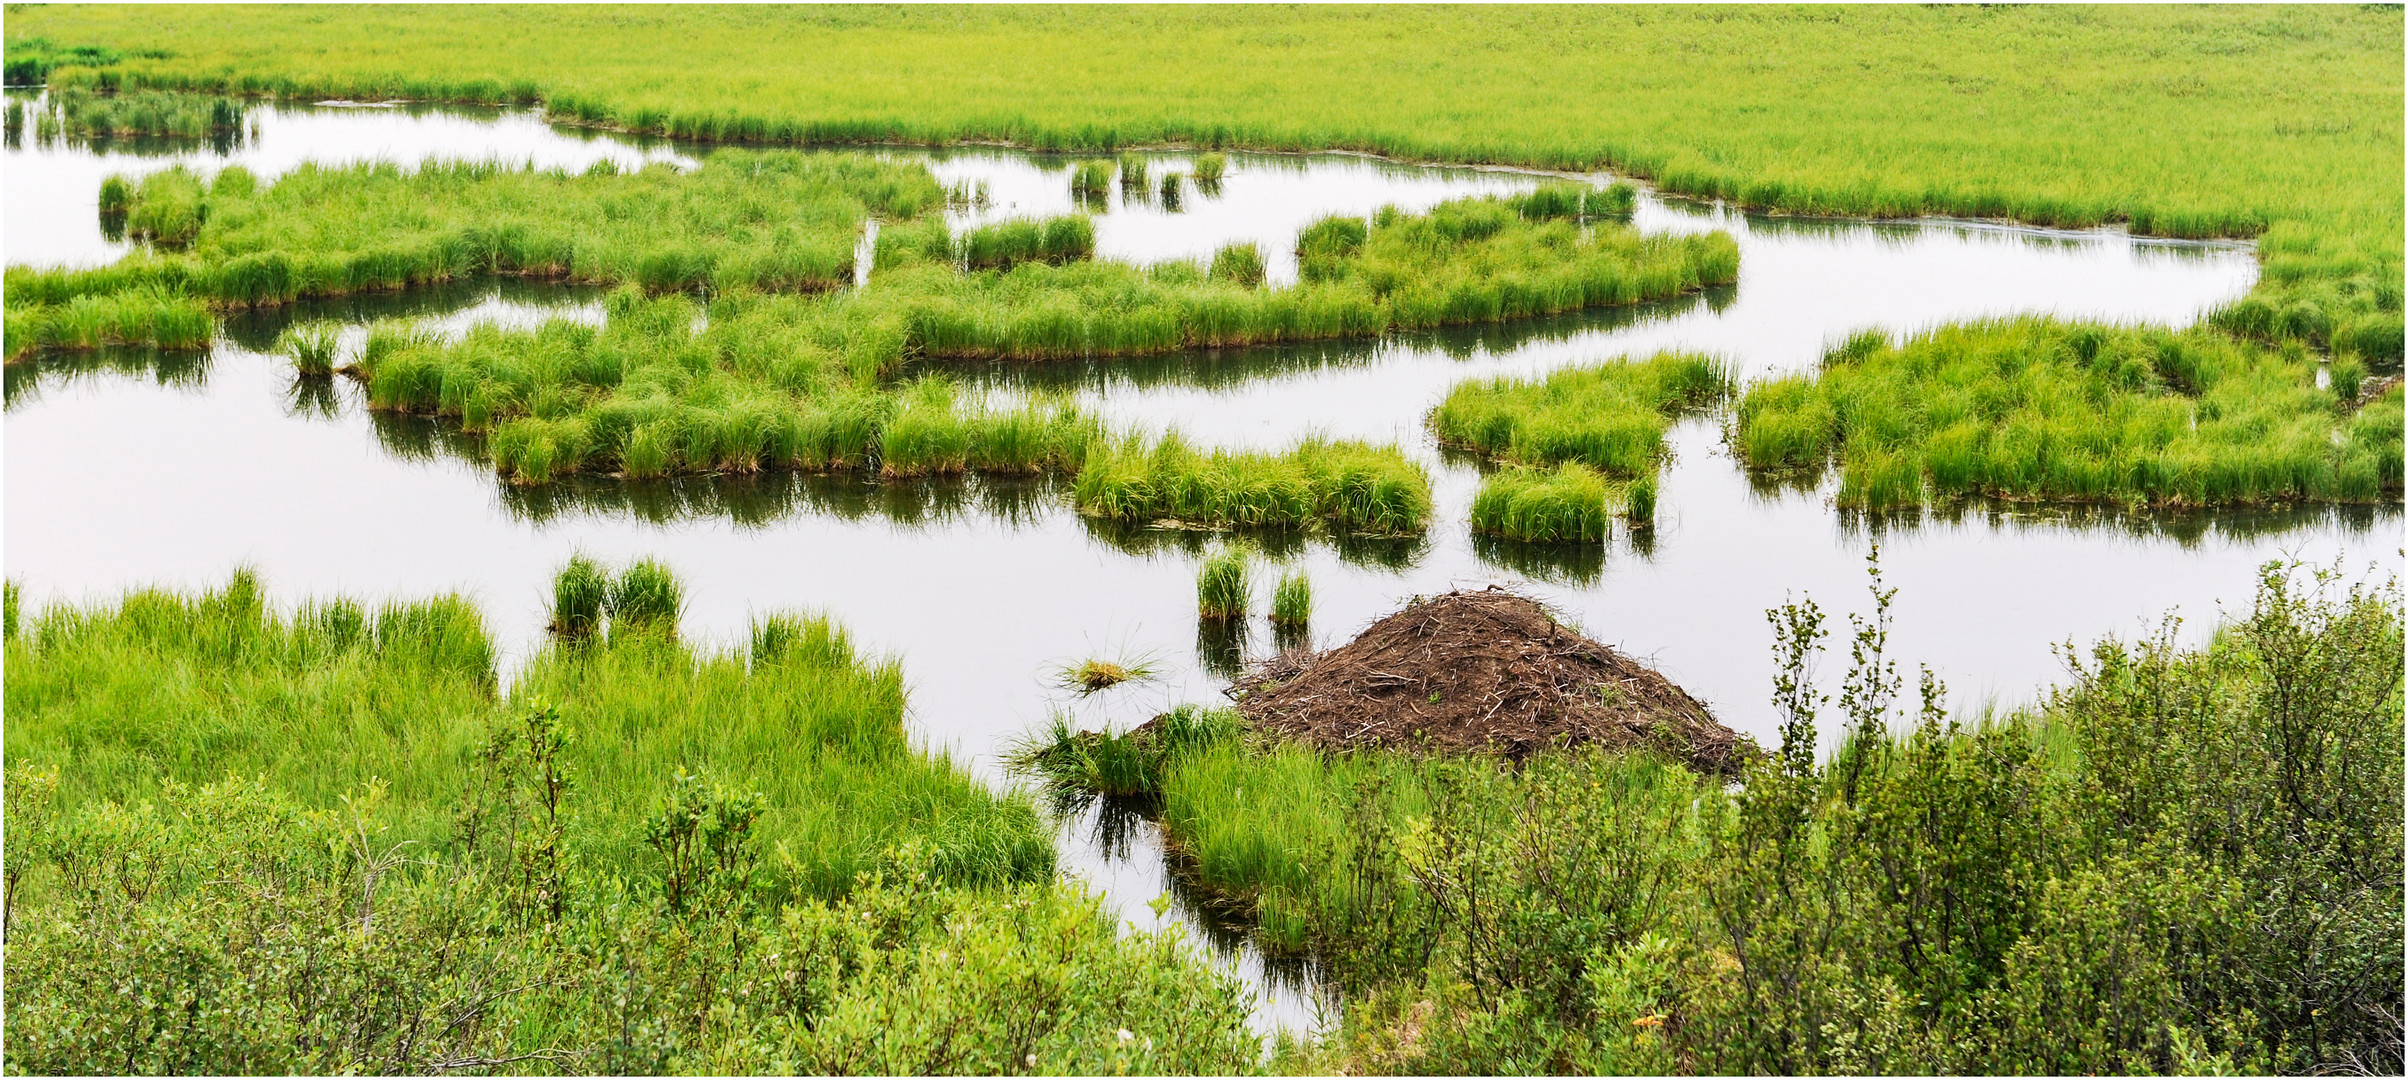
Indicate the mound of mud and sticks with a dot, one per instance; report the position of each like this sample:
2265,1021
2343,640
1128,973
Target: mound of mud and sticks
1482,671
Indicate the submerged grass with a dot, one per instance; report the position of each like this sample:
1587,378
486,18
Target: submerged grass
2038,410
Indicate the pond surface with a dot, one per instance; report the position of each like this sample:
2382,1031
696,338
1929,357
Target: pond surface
126,470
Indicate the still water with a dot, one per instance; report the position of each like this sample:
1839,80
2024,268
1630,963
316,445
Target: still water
133,470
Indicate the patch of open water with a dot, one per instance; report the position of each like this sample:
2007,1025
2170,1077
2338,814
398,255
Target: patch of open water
128,470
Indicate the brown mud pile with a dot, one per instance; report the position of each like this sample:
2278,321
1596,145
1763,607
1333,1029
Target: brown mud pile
1487,670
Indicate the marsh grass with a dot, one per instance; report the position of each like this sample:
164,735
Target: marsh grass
1224,584
149,316
1611,417
1091,181
1573,503
1133,172
312,348
1096,674
1128,764
1341,487
1210,168
1292,602
2033,410
580,599
77,112
1009,243
1239,264
645,600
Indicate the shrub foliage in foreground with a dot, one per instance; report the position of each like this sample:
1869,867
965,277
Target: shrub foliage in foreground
2184,860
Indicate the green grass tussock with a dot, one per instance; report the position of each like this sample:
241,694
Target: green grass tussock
1225,584
150,316
1238,264
1342,487
2029,409
1611,417
1573,503
1292,601
1005,244
312,348
1211,167
1124,764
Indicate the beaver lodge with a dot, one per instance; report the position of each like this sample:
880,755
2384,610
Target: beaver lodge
1488,670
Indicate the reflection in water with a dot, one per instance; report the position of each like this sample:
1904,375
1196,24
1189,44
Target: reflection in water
1218,369
1221,647
511,301
2187,528
184,369
760,499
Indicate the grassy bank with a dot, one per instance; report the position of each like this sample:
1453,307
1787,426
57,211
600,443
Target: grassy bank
166,688
2031,409
242,843
2182,860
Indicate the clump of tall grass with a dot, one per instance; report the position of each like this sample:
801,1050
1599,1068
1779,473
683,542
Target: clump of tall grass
1571,503
1009,243
1238,264
1323,247
1224,584
580,598
1640,502
1122,764
311,346
1292,601
1170,189
77,112
147,316
2039,410
1133,172
1210,167
1091,180
645,598
1611,417
1344,487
